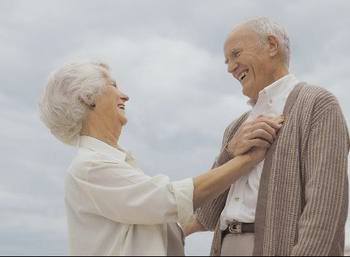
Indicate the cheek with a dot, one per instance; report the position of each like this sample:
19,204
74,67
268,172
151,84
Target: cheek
258,70
255,59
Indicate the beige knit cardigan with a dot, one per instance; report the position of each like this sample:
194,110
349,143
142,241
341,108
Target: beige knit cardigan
303,195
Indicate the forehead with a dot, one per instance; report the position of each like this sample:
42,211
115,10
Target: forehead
111,81
110,85
240,37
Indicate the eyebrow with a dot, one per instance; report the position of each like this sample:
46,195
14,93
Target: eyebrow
233,51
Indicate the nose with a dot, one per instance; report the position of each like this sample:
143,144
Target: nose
232,67
125,98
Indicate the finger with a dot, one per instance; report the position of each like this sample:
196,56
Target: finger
262,134
270,117
264,126
275,123
277,119
259,143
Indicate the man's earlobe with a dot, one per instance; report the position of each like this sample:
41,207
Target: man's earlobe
273,45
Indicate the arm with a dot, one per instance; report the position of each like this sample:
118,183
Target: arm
326,185
211,184
236,141
123,194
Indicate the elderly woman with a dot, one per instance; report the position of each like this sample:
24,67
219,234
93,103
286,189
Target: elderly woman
113,208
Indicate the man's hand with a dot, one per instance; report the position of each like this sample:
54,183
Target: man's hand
193,227
259,133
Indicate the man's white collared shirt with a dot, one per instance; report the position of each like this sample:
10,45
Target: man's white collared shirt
243,195
113,208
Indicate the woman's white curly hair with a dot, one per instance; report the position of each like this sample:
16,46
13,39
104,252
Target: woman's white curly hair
60,105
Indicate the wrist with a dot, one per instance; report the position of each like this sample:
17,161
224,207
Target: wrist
245,160
231,154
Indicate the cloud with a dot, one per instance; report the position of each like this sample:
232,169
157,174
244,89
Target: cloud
167,56
164,76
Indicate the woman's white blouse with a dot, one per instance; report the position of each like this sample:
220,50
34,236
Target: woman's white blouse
113,208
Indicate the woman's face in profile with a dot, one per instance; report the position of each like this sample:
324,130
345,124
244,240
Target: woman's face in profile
111,104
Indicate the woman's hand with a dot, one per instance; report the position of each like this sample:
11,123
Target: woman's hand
259,133
253,139
211,184
193,227
257,154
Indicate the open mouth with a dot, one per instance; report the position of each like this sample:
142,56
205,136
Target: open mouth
243,75
121,107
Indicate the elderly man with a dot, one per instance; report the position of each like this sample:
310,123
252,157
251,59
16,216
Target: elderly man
295,201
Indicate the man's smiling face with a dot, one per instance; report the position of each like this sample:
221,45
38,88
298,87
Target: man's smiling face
248,60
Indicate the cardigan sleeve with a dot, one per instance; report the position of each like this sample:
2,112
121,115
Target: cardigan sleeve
326,188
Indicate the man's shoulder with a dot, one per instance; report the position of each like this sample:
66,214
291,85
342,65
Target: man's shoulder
317,96
314,101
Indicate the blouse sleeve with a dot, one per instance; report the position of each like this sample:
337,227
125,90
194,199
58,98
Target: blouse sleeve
123,194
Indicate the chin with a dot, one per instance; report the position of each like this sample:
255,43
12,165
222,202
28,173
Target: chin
248,92
121,117
124,121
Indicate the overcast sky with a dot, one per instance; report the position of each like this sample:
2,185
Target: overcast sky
167,56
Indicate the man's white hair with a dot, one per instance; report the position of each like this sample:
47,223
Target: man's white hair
265,27
60,106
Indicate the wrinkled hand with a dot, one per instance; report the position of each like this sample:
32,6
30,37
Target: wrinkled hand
255,136
193,227
257,154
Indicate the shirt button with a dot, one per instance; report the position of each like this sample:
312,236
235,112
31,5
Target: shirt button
237,199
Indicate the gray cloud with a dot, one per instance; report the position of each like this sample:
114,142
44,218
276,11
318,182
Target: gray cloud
167,56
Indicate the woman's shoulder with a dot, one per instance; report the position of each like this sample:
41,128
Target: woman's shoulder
89,163
86,160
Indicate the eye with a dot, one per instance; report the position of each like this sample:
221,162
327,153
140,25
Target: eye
236,54
114,84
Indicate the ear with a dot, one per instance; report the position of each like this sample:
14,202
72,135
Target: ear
273,45
87,99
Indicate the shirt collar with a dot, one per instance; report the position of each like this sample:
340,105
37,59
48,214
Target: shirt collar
101,147
277,88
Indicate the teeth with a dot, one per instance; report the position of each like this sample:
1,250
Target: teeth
243,75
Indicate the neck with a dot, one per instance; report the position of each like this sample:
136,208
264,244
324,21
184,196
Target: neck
279,73
105,133
275,75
